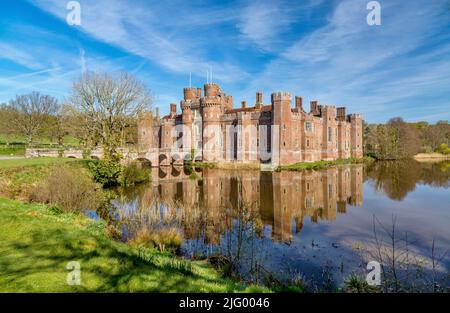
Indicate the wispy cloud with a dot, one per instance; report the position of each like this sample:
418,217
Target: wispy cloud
18,55
371,69
141,29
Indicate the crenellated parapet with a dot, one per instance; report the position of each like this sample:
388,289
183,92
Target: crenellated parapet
281,96
212,90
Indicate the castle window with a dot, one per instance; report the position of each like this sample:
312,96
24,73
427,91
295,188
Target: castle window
330,134
307,143
308,126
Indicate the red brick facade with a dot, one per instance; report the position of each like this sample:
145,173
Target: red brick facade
273,133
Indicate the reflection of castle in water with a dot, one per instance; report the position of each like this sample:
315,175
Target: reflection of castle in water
274,198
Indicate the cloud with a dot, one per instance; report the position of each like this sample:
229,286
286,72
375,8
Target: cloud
266,23
376,70
19,56
144,30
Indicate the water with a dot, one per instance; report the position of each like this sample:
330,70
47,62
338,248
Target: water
314,226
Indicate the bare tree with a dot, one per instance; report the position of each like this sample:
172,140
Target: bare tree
30,112
6,114
105,103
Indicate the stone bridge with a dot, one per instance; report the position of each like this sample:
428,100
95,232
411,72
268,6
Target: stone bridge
153,157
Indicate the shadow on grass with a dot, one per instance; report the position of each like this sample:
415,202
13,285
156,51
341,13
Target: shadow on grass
37,263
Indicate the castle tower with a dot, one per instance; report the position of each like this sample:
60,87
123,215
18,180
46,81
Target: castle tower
211,112
329,131
356,135
282,123
145,131
186,118
343,138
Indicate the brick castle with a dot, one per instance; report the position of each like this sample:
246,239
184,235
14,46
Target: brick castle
210,129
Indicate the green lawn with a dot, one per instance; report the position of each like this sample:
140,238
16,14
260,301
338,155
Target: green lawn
35,162
36,246
68,140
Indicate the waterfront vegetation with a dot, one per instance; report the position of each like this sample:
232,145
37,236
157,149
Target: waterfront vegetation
318,165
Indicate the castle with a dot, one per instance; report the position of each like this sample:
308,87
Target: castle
210,129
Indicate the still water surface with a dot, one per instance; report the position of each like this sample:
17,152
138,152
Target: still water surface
310,225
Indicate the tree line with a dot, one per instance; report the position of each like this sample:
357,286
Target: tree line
102,110
398,139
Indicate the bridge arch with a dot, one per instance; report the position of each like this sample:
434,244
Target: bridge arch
144,162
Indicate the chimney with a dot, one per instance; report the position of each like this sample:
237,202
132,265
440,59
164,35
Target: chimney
341,114
244,104
173,109
157,113
298,103
199,92
314,109
259,98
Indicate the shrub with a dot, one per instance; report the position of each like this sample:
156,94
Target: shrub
356,284
443,148
162,238
106,173
70,189
134,173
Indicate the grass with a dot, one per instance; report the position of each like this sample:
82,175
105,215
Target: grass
34,162
37,244
321,164
68,140
12,150
18,175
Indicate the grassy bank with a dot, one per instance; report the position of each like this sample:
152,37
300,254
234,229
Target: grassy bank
321,164
431,157
46,240
37,244
17,176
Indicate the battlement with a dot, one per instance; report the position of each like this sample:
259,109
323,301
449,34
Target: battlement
210,101
190,93
212,90
281,96
354,116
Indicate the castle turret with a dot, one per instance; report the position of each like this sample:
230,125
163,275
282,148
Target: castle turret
212,90
282,118
329,132
211,112
145,131
356,135
190,93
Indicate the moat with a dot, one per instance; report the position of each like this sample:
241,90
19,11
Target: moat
313,225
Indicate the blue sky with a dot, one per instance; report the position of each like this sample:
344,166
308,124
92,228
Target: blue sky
320,49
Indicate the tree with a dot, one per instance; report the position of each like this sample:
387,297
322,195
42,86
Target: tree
6,114
105,104
434,135
29,113
406,138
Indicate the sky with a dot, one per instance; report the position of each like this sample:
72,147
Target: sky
319,49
